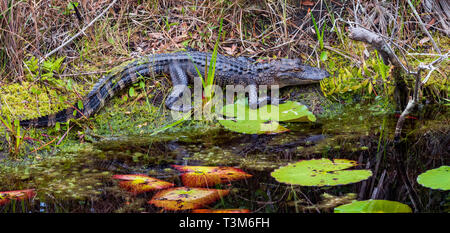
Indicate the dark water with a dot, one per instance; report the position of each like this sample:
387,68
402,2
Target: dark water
78,178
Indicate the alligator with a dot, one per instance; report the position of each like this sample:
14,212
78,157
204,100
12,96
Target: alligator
183,67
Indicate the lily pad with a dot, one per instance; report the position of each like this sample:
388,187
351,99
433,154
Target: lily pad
263,120
438,178
185,198
241,111
253,126
373,206
320,172
204,176
7,196
221,211
139,183
295,112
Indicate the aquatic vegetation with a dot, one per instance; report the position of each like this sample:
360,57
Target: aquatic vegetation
263,120
204,176
254,126
71,164
320,172
185,198
215,155
139,183
291,111
69,175
7,196
438,178
373,206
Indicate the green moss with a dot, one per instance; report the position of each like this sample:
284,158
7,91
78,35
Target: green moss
19,102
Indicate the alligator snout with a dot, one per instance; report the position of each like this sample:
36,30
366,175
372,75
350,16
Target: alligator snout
313,73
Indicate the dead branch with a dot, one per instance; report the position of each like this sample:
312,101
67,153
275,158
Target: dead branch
412,103
78,34
422,26
388,55
377,42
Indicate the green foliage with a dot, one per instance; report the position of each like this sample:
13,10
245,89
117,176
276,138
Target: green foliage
46,71
438,178
364,80
210,72
131,92
70,8
320,172
168,25
13,135
447,102
346,82
323,54
318,33
373,206
80,104
212,67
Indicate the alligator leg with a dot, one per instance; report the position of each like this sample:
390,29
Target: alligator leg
180,81
255,101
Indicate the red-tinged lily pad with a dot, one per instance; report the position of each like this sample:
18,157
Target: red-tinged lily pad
7,196
204,176
227,211
185,198
139,183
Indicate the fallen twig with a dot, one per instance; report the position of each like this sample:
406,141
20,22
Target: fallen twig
78,34
376,41
432,66
422,26
415,98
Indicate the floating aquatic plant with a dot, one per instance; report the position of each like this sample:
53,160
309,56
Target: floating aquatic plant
264,120
438,178
253,126
295,112
185,198
139,183
320,172
7,196
373,206
204,176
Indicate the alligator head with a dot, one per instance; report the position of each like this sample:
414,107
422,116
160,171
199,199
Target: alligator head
291,72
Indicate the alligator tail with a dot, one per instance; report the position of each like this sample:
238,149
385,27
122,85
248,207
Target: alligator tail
104,89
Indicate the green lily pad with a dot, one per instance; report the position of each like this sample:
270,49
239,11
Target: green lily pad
264,119
295,111
288,111
438,178
373,206
241,111
320,172
253,126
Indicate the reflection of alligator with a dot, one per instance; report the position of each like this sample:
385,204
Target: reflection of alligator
184,67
